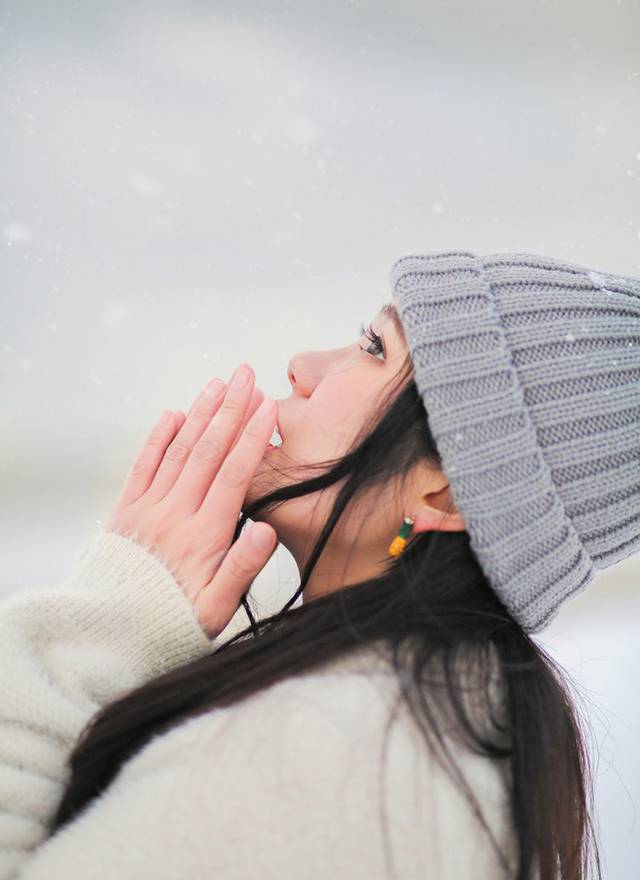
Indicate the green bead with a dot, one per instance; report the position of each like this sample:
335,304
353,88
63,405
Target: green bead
405,529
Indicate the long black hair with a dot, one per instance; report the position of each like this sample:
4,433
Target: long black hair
432,603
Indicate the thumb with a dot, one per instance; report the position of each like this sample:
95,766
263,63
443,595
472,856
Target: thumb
218,600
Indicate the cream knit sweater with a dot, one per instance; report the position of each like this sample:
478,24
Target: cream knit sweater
289,783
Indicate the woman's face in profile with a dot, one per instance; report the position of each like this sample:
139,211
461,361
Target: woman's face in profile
333,392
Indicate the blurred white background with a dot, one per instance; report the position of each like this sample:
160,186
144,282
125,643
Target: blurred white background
187,186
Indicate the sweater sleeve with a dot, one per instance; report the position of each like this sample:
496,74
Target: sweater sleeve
119,620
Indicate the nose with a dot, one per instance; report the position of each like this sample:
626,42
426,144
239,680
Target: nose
299,376
307,369
304,371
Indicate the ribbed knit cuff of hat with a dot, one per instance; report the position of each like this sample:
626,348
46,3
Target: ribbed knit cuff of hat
529,370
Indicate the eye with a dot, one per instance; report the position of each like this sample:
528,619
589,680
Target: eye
376,340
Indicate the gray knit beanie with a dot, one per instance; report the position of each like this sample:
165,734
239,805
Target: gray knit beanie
529,370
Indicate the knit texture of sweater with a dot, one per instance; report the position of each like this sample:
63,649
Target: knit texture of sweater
297,780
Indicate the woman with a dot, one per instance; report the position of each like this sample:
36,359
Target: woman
399,722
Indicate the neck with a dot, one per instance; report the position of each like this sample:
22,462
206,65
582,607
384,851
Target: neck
339,565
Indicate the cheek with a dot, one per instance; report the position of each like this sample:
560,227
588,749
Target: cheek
337,408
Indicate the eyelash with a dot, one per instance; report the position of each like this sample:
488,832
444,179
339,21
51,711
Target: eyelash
370,333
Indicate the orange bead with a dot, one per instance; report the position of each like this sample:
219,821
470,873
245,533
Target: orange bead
397,546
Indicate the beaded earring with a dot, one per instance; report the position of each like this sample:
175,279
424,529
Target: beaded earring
400,541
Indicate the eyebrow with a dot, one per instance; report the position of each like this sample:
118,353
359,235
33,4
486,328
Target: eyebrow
388,310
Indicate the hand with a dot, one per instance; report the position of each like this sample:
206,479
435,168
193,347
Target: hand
184,494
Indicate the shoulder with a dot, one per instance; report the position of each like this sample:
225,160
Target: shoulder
306,772
345,713
306,716
336,732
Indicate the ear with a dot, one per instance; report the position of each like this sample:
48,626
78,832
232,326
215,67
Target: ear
431,519
438,513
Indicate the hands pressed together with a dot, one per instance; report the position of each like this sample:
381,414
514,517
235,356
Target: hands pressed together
184,493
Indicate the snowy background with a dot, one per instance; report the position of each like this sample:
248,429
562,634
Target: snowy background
187,186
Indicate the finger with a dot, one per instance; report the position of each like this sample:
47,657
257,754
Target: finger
256,400
212,446
144,468
177,453
195,402
218,601
179,418
200,395
223,501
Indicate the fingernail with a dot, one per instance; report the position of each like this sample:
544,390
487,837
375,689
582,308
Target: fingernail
214,388
261,537
240,378
164,418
